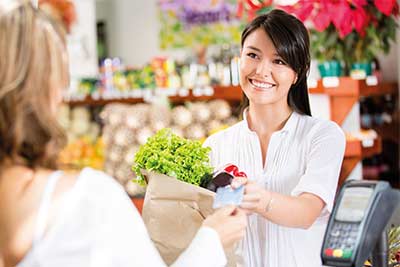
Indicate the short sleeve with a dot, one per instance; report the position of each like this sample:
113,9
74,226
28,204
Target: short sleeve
324,160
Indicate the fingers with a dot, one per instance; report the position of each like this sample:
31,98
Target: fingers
251,187
250,202
238,182
227,210
252,206
229,222
251,198
241,212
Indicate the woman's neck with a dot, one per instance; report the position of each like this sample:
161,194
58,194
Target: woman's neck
266,120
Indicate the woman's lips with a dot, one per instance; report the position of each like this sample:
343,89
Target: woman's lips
261,84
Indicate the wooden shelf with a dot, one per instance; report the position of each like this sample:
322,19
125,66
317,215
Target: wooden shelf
353,148
380,89
350,87
88,101
389,132
354,153
229,93
345,95
349,163
373,150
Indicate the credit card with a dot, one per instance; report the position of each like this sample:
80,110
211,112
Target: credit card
228,196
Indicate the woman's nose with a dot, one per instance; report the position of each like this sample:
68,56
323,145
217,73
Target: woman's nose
264,68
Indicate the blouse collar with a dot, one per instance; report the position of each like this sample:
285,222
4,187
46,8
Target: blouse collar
289,126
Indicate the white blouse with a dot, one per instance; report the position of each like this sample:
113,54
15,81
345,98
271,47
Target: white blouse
98,226
305,156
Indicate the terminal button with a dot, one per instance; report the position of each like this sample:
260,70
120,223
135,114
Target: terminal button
329,252
347,253
338,253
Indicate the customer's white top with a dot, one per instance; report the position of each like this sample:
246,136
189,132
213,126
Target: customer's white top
98,226
305,156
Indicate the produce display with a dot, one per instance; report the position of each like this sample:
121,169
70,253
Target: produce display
83,152
116,80
78,123
85,147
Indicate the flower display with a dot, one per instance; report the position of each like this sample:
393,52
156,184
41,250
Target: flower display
351,31
186,23
345,15
252,8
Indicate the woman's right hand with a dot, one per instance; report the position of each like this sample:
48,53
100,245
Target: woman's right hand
229,222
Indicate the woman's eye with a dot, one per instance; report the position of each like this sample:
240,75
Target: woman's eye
279,62
252,55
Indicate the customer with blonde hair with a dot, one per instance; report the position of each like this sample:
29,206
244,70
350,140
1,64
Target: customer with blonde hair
54,218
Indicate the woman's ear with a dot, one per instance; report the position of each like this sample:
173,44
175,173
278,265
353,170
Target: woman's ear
295,80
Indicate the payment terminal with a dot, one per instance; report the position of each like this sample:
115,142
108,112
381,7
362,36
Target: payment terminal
359,217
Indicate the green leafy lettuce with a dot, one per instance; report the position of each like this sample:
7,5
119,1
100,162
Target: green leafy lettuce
169,154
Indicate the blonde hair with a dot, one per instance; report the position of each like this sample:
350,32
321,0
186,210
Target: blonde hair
33,61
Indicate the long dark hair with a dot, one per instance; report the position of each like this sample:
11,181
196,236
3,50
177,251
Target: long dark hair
292,43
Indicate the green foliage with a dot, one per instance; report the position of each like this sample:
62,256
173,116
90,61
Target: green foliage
394,243
326,45
377,39
354,47
174,156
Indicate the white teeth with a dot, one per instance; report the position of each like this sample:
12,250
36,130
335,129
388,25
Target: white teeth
261,84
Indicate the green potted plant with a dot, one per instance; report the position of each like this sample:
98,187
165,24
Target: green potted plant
362,49
328,50
350,31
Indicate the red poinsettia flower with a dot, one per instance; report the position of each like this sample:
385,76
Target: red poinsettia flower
345,15
386,6
341,15
302,9
396,9
251,7
358,3
321,21
360,20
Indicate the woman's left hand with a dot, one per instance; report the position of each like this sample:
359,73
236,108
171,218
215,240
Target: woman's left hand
255,198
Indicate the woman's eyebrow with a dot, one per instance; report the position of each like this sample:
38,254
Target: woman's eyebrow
254,48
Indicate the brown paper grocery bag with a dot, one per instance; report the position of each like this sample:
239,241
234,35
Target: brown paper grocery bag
173,211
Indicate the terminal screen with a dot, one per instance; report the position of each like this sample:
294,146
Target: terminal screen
354,203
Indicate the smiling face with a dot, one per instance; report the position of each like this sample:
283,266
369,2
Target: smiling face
265,77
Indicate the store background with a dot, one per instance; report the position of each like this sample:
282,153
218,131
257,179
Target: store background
131,33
